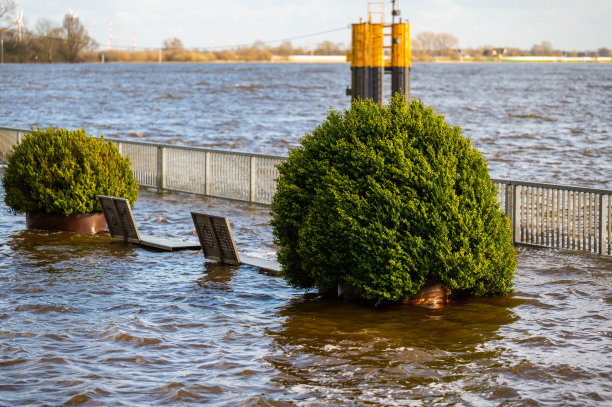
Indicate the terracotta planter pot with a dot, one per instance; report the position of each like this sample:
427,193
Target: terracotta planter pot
327,292
346,291
432,295
89,223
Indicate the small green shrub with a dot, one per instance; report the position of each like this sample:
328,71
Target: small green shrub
62,171
387,197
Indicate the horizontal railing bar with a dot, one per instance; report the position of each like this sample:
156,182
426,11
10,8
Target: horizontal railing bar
208,196
552,186
192,148
14,129
539,246
205,149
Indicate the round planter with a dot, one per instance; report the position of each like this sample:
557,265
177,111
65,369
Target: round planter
328,292
433,295
89,223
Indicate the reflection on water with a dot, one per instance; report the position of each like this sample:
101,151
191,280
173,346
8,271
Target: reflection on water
387,355
37,248
217,276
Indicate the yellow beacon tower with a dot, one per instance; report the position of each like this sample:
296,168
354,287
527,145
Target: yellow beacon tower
370,58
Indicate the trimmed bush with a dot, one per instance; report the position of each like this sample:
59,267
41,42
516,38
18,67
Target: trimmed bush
61,171
385,198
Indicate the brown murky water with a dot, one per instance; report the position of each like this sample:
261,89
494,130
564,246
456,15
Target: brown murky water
86,320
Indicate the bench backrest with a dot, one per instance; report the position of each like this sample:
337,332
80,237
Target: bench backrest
119,218
216,238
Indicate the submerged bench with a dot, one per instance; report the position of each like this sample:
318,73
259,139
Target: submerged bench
121,225
214,233
218,243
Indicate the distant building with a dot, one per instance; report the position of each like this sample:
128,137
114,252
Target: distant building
494,52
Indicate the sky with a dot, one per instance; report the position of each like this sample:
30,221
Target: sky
566,24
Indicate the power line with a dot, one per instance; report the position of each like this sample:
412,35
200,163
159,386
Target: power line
248,45
307,35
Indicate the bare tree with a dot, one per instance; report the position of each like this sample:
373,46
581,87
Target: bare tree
50,36
427,41
445,43
284,49
6,8
330,48
173,44
259,44
543,49
427,44
76,38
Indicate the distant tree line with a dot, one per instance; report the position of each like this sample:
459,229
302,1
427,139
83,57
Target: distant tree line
173,50
430,46
49,42
70,42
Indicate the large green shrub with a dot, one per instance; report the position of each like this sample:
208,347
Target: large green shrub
62,171
387,197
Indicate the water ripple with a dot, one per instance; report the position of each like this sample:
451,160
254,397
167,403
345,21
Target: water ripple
89,320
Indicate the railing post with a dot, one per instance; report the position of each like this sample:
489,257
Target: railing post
604,216
509,205
516,212
508,201
207,173
252,178
160,169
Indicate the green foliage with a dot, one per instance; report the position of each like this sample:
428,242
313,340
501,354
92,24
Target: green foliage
385,198
62,171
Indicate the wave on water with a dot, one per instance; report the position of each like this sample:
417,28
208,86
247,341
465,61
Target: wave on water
247,86
530,116
157,219
136,134
166,96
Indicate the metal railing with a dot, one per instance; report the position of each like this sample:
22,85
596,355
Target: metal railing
215,173
558,216
8,138
542,215
221,174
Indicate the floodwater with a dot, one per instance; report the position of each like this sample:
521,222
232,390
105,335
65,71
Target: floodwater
533,122
87,320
